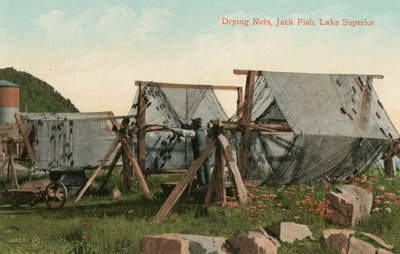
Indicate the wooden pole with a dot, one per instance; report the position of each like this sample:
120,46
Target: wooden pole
112,166
246,120
141,122
230,161
13,171
136,168
239,107
220,176
389,167
180,187
89,182
184,86
210,188
25,137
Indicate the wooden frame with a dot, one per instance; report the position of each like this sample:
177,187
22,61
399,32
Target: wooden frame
141,126
125,148
221,144
245,119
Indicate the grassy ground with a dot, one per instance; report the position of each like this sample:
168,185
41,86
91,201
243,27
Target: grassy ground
100,224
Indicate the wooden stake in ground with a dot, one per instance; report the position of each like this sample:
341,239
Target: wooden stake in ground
13,171
180,187
230,162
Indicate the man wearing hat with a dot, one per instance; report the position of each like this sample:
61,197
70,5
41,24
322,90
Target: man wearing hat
198,137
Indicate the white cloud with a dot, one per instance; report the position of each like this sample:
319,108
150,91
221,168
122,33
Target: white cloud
122,22
116,18
152,20
61,31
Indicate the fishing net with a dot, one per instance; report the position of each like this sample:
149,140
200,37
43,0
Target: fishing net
70,139
173,107
339,127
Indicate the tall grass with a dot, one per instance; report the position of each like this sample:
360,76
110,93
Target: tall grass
100,224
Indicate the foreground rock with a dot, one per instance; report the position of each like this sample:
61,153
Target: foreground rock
256,241
291,231
205,244
165,244
357,246
182,244
338,238
348,244
349,206
378,240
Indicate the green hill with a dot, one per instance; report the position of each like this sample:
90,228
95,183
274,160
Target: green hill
36,94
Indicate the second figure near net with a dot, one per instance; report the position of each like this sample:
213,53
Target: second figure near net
197,135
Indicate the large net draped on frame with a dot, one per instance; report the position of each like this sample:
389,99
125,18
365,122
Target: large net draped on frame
340,127
172,107
70,139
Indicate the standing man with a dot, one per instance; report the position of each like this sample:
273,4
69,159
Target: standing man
198,137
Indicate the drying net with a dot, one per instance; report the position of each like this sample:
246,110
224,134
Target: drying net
173,107
70,139
340,127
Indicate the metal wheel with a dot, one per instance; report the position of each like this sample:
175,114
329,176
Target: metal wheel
56,195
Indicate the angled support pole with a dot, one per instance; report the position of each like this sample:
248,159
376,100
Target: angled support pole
26,138
180,187
230,162
111,168
97,171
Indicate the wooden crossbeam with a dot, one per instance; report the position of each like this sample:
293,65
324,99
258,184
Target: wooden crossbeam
180,187
25,137
230,162
184,86
245,72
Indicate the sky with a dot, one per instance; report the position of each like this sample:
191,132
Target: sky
93,51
